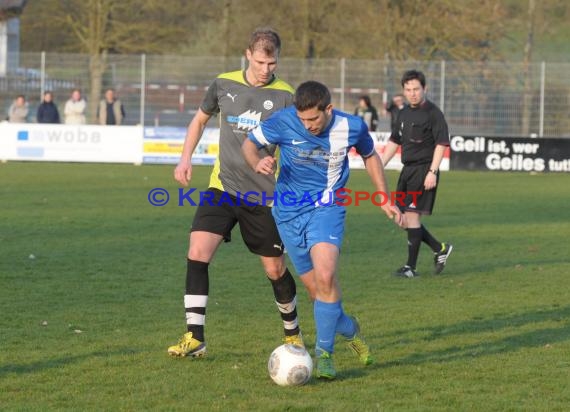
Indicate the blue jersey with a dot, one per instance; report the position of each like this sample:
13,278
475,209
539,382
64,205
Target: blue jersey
311,168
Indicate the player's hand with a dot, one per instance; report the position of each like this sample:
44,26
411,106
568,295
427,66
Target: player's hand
266,166
183,173
430,181
394,213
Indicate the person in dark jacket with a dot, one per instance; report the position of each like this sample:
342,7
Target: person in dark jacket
367,112
396,105
47,110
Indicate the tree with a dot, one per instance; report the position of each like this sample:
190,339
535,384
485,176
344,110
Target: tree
100,27
91,24
369,29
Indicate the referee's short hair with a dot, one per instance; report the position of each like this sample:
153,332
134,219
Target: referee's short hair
414,75
312,94
265,39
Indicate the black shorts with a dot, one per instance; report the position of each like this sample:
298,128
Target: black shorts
412,180
256,224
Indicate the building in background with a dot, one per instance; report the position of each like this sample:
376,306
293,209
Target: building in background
10,34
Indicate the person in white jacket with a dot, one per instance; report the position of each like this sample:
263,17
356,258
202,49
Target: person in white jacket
75,108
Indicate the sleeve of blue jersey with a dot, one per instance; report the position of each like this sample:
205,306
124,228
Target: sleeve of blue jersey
265,134
365,144
251,136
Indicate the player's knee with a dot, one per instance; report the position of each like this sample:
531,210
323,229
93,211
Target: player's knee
311,290
200,254
274,268
325,280
412,219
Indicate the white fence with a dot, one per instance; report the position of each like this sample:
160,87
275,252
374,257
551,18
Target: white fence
495,98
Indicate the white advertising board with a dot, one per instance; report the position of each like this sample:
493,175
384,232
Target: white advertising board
70,143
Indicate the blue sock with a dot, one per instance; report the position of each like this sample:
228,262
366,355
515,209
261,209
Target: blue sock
326,317
345,325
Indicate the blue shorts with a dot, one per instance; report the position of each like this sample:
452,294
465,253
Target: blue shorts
300,234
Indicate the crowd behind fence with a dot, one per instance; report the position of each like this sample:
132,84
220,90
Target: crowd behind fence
478,98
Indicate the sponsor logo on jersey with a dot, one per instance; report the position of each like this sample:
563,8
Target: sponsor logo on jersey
248,120
268,105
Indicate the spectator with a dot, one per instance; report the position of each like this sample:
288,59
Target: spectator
111,110
47,110
396,105
18,112
367,112
75,108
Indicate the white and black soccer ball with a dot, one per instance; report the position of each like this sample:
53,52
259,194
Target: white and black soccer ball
290,365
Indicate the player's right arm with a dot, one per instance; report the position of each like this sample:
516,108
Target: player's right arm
393,143
183,171
389,152
264,166
263,135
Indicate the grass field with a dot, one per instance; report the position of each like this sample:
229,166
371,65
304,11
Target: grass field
92,278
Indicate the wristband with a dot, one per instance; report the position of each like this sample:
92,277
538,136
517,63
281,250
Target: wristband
434,171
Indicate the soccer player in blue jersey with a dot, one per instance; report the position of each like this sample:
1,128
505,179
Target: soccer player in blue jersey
314,141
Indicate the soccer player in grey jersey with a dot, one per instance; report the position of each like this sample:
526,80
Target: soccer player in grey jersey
242,99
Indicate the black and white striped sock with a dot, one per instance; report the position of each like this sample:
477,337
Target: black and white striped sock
285,292
196,297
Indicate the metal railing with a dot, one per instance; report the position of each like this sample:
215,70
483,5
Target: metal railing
498,98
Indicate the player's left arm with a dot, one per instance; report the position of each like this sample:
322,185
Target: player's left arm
375,169
441,137
431,178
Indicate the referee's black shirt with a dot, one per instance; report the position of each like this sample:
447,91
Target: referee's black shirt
418,131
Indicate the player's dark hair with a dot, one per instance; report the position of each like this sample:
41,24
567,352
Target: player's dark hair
312,94
366,99
414,75
265,39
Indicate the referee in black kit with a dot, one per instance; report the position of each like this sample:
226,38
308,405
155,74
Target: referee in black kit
423,135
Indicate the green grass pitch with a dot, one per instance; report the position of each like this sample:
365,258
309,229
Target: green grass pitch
92,278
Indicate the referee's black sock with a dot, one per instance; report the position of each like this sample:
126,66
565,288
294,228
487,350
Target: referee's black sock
196,297
433,243
285,292
414,242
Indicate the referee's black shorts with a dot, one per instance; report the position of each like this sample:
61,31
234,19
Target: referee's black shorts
412,179
256,223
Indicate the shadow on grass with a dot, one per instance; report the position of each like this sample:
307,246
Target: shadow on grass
59,362
529,339
508,262
536,338
479,325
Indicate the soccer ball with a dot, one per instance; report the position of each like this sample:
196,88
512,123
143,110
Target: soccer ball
290,365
